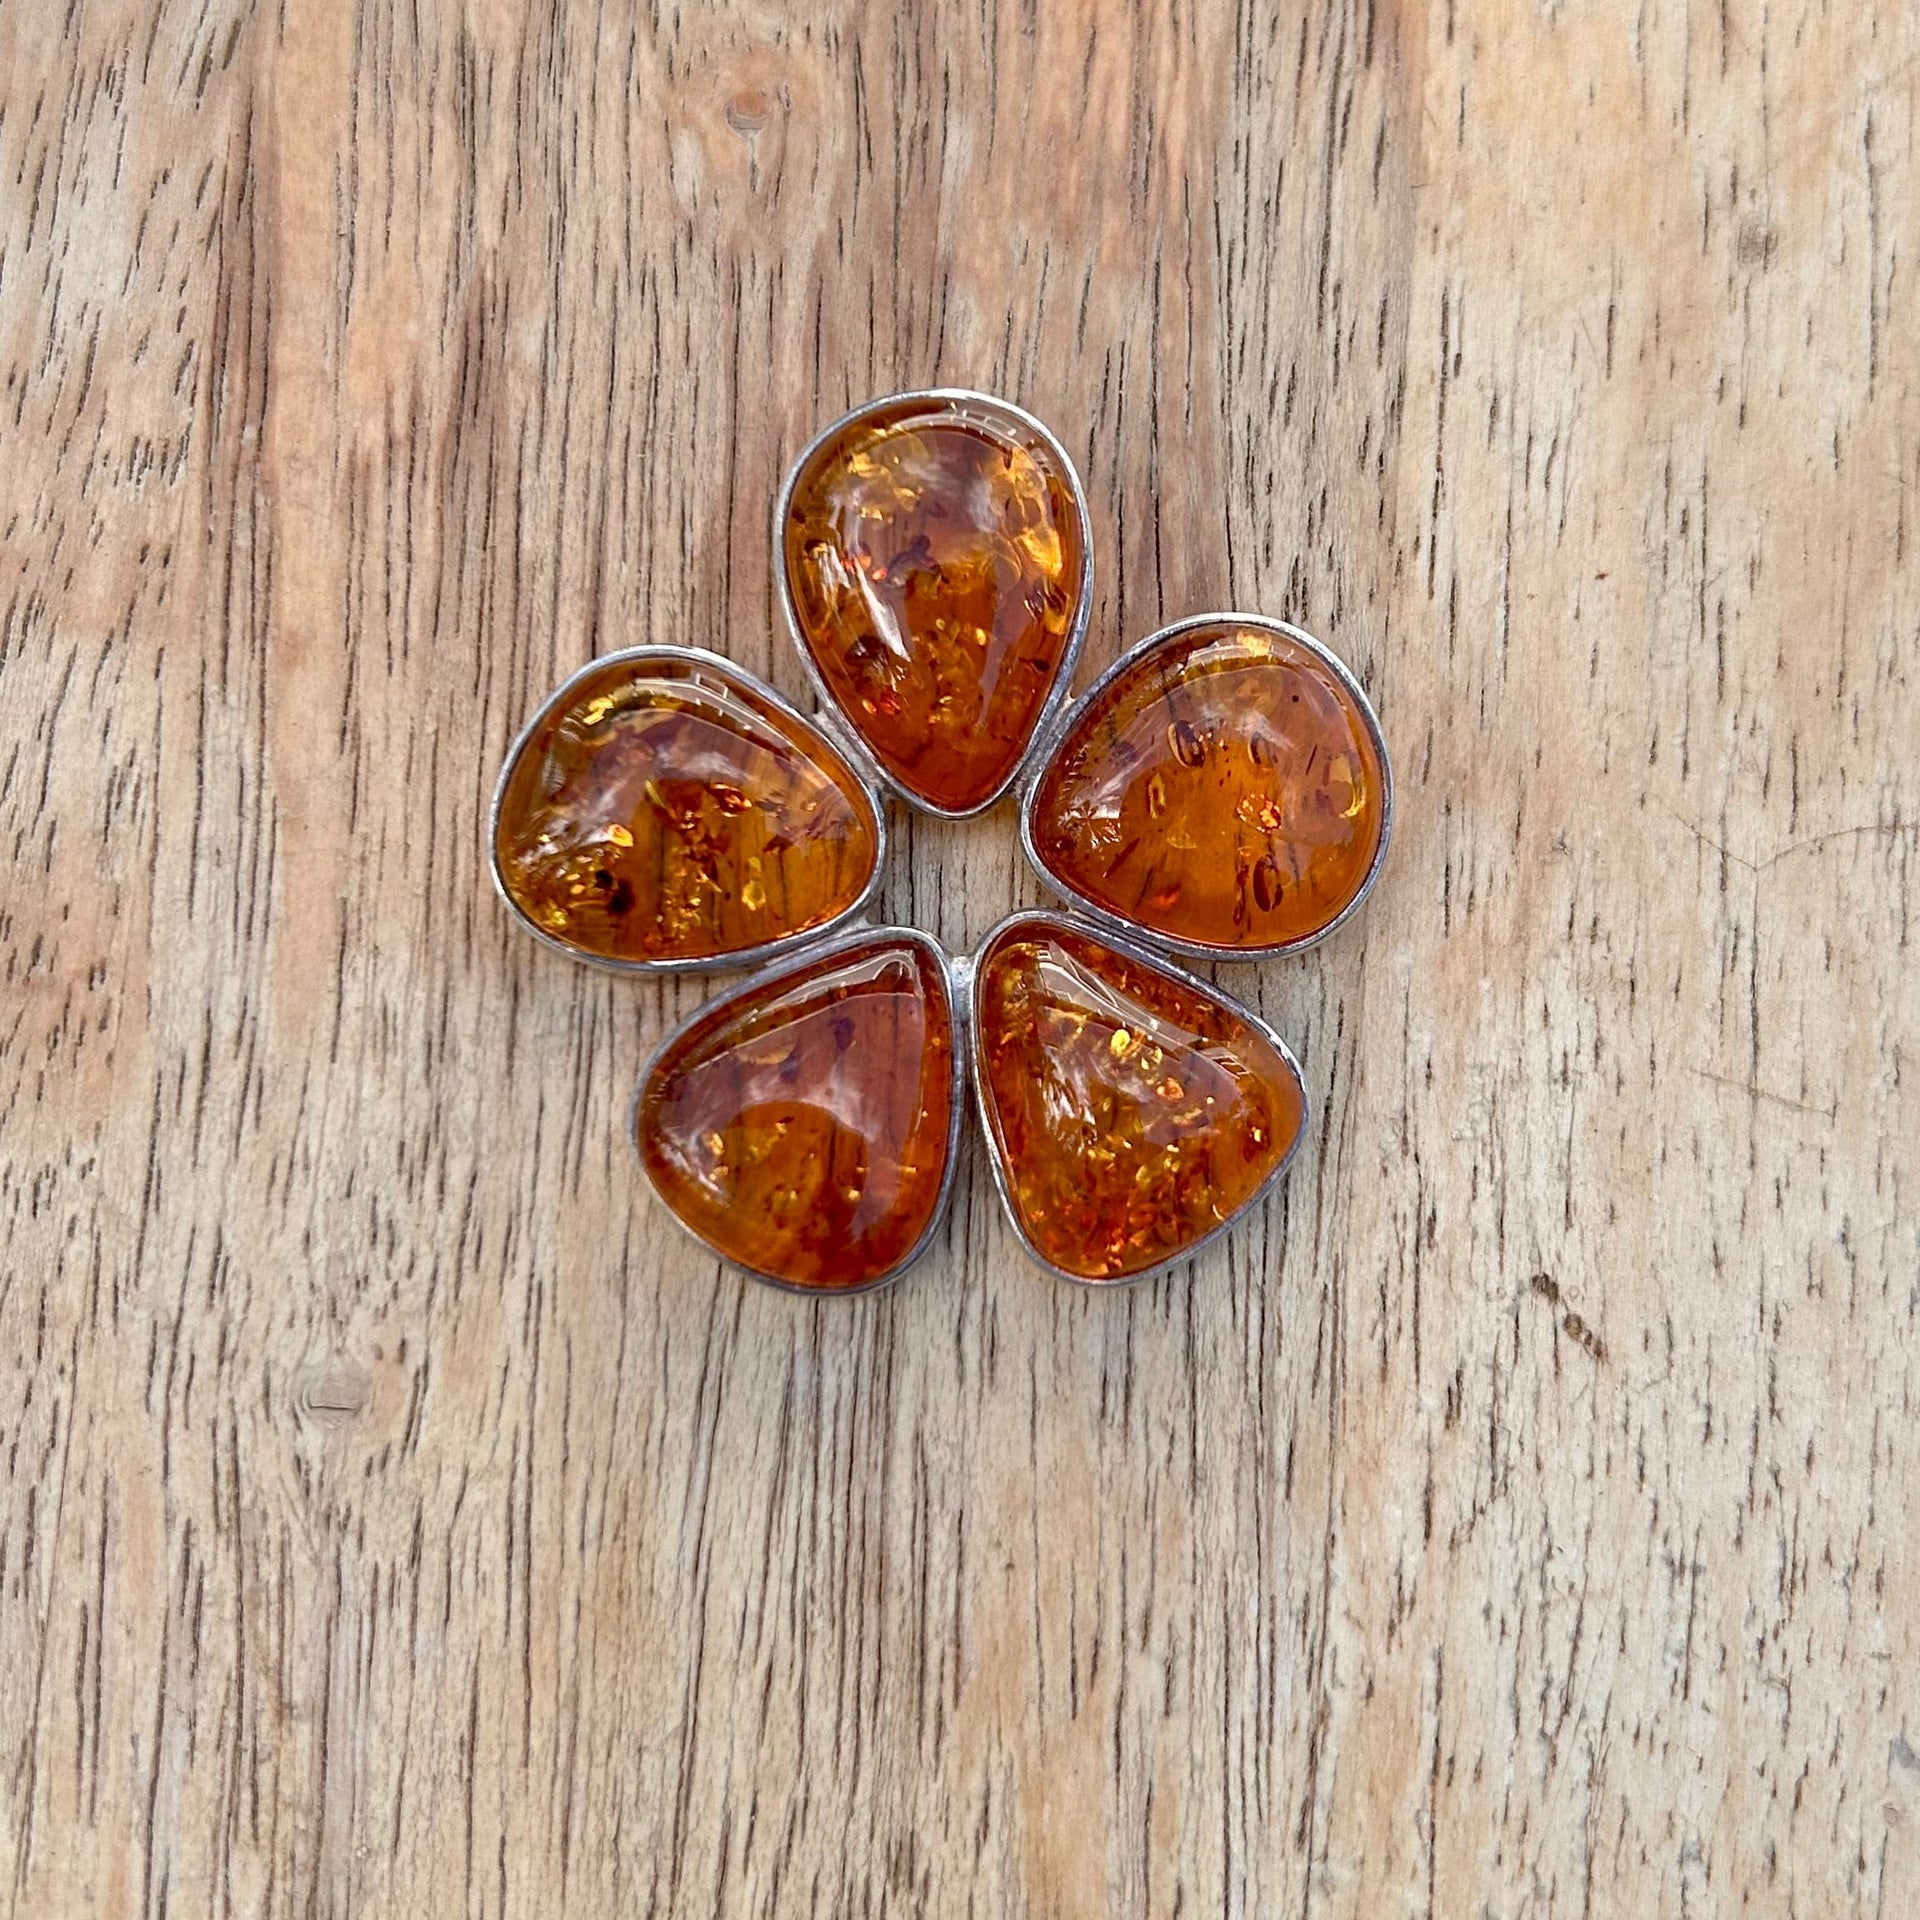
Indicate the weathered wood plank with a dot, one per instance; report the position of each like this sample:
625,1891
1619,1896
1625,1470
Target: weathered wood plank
1515,1518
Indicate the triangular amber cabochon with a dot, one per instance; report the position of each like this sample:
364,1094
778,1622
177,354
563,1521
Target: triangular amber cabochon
803,1125
1132,1112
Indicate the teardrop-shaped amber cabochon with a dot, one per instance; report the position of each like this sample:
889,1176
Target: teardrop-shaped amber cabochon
937,574
803,1125
1131,1110
666,808
1224,789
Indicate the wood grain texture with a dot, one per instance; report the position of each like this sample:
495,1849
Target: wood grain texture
398,1516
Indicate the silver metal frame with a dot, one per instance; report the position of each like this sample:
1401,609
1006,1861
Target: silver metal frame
1146,955
989,404
957,1003
1063,729
698,963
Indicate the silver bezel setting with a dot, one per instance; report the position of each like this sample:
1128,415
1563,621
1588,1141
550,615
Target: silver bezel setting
767,950
817,951
1063,729
989,404
1146,955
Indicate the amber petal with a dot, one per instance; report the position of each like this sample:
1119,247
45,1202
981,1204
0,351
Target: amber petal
1132,1111
936,572
803,1125
1225,788
667,808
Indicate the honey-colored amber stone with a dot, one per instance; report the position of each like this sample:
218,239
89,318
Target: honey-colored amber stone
802,1125
666,807
935,567
1223,789
1132,1111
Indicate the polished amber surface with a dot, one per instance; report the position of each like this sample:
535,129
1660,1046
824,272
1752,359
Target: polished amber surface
1132,1112
667,809
800,1126
934,556
1223,789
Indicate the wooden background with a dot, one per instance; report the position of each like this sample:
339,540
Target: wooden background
398,1517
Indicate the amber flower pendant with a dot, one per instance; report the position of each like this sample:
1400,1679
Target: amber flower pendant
1223,791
